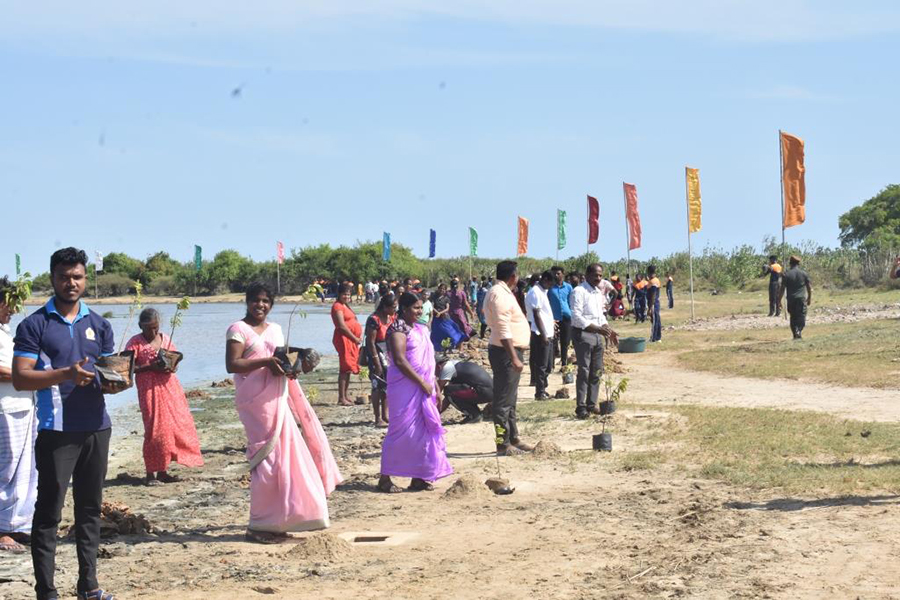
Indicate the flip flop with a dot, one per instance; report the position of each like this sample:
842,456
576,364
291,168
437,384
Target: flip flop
420,485
263,537
392,489
7,544
96,595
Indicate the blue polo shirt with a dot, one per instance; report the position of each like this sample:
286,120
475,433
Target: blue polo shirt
559,301
57,343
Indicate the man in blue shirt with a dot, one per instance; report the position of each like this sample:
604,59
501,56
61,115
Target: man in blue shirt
55,349
562,312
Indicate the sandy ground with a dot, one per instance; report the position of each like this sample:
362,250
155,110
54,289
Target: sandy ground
817,316
578,526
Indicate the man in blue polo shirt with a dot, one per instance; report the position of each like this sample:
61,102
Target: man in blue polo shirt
562,312
55,349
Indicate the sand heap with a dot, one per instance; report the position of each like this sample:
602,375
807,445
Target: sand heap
466,487
197,394
320,548
545,449
225,383
117,518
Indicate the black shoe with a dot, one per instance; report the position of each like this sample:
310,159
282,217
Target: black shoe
472,419
582,414
542,396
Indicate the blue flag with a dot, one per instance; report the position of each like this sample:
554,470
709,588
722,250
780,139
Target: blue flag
386,247
432,243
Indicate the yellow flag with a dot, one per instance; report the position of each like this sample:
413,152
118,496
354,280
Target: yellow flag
692,176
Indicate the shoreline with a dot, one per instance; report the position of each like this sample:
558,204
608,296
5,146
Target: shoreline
39,300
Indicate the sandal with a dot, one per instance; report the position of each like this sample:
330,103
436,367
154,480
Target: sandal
388,487
152,481
7,544
420,485
95,595
166,478
263,537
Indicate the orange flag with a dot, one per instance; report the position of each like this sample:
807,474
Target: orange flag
793,174
522,247
632,217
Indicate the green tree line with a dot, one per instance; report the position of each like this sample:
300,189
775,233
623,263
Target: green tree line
870,236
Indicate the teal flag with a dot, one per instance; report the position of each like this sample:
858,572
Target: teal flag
198,257
18,266
560,229
473,242
386,247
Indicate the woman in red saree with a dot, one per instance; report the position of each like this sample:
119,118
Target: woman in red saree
346,340
169,432
292,470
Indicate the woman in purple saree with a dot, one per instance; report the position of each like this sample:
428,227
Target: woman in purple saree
414,445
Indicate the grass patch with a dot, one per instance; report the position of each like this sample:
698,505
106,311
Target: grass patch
860,354
640,461
797,452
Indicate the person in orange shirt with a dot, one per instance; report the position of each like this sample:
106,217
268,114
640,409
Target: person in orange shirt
640,298
510,335
773,270
653,289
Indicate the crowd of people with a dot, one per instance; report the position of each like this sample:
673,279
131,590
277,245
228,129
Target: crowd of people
54,426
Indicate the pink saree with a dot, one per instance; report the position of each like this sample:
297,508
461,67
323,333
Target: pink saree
292,468
414,445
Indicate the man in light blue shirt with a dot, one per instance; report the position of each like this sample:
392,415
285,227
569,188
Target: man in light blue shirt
558,295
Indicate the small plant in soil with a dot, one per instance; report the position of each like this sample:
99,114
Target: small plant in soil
183,305
18,293
290,357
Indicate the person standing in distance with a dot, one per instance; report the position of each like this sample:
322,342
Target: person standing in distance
559,296
773,270
590,331
55,350
510,334
794,281
540,315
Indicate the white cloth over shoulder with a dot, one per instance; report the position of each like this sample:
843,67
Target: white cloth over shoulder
11,401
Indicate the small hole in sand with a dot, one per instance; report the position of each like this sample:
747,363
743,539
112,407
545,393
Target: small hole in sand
362,539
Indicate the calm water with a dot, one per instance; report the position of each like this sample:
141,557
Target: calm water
201,336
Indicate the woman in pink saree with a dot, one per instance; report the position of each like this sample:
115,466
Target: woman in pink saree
414,445
292,470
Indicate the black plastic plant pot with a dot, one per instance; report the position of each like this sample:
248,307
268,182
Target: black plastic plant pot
568,378
607,407
170,358
297,360
603,442
116,372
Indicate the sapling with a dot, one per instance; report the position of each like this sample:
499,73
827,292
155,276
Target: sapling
183,305
135,306
14,298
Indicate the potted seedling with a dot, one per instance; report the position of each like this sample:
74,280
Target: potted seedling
296,360
168,357
614,391
116,372
568,374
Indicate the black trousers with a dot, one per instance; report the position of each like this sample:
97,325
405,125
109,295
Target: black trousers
60,456
506,388
540,361
774,306
670,295
589,357
466,398
563,338
797,309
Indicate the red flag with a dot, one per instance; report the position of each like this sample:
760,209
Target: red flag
632,217
593,220
522,246
279,247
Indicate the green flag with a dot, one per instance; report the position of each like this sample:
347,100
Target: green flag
473,242
198,257
560,229
18,266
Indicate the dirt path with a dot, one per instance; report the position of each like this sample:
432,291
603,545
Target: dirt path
655,377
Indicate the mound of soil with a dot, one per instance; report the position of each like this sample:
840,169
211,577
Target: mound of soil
320,547
116,518
225,383
466,487
496,483
562,393
545,449
611,364
197,394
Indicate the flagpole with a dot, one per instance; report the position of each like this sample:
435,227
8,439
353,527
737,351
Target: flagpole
96,295
587,247
781,176
278,274
687,198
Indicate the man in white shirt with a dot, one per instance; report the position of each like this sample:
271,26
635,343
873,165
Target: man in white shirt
590,329
540,316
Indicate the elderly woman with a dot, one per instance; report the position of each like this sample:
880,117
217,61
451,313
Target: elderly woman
292,470
18,431
414,445
346,340
169,432
376,349
460,309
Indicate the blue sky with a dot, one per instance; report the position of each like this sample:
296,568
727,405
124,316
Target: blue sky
120,131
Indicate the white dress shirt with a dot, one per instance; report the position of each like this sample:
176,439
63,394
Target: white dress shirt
589,304
537,300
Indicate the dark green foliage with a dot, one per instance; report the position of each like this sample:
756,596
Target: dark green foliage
874,224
